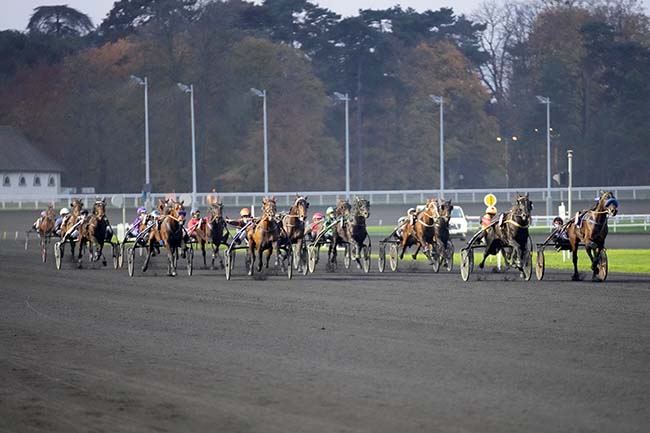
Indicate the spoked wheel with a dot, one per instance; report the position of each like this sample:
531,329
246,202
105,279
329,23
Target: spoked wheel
304,259
539,268
466,263
43,250
120,257
381,260
130,260
449,256
58,253
393,258
602,265
190,261
116,255
365,258
229,258
347,256
435,258
312,258
290,263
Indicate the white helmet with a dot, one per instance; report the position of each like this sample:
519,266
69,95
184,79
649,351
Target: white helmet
64,211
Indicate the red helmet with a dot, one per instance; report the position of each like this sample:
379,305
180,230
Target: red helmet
317,216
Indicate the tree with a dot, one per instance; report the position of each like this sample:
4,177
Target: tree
59,21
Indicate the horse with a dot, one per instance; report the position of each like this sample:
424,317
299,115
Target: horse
218,230
169,230
352,229
293,225
421,230
510,232
264,236
45,225
441,225
69,221
93,231
590,228
201,232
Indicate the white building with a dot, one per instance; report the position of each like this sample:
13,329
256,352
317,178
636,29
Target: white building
25,172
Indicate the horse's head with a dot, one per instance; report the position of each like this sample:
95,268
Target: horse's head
343,208
269,208
522,208
76,205
444,209
99,209
300,207
608,203
217,210
178,209
50,212
361,207
432,208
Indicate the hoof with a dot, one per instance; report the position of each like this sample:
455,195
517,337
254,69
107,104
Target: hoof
104,263
173,274
414,256
575,277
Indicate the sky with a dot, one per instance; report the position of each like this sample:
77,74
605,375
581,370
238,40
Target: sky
15,13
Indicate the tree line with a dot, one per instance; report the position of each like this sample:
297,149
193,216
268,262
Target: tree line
66,84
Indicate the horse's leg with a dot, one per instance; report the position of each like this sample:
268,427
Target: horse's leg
251,258
574,251
215,251
276,246
150,249
171,269
592,253
259,259
80,252
205,264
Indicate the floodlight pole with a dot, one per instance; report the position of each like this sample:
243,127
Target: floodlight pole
439,100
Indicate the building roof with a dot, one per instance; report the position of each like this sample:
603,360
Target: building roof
18,154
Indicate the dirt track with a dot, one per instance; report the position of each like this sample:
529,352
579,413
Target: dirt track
95,350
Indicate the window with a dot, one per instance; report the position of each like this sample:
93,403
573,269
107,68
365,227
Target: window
37,181
22,181
51,181
6,181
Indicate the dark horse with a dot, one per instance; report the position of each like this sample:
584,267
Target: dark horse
218,230
352,228
264,236
293,224
510,233
93,232
441,226
591,230
169,230
69,222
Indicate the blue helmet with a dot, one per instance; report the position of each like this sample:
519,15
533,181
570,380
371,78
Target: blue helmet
141,210
155,212
329,210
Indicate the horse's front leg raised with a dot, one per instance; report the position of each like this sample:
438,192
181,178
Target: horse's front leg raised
593,253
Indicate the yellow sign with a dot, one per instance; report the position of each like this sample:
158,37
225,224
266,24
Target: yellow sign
490,200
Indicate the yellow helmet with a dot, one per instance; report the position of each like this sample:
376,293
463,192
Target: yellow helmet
245,212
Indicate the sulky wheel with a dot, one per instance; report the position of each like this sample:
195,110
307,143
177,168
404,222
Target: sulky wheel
312,258
130,260
289,263
602,265
365,258
347,256
381,260
229,259
120,259
393,257
58,253
304,259
435,257
466,263
190,261
539,268
116,255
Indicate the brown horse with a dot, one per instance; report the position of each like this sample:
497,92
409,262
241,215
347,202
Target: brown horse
294,226
218,230
201,232
265,236
93,232
68,222
169,230
441,226
422,230
45,225
510,233
590,228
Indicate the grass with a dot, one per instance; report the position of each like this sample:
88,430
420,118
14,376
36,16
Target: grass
626,261
386,230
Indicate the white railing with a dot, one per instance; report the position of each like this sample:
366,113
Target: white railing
401,197
615,224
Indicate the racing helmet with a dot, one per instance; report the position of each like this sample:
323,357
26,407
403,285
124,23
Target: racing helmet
411,210
155,212
245,212
491,210
196,211
401,220
329,210
64,211
317,216
142,210
558,220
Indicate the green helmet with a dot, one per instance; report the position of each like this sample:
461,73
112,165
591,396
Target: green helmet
329,210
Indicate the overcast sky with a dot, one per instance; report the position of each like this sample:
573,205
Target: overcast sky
15,13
